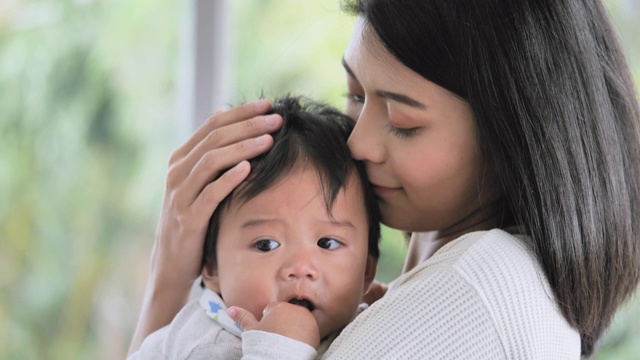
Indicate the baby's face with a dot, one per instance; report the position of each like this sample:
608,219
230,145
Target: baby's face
282,245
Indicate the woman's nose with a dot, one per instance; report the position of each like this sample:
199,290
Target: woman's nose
365,141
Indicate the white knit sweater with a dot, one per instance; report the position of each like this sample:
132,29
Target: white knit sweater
482,296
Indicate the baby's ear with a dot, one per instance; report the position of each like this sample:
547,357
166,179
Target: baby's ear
370,272
210,278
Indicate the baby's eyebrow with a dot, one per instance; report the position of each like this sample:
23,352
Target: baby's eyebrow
258,222
263,221
343,223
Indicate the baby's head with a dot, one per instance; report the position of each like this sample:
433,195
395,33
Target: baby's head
303,227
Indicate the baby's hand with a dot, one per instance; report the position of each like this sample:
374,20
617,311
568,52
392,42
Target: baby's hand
281,318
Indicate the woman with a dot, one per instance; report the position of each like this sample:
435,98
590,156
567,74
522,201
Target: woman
504,135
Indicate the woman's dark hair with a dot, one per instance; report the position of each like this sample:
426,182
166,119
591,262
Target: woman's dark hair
557,116
312,134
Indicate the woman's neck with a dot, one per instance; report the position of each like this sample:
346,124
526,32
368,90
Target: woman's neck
422,245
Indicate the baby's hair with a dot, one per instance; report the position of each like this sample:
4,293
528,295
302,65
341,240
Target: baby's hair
312,134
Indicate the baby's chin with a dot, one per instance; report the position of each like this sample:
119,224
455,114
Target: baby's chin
328,329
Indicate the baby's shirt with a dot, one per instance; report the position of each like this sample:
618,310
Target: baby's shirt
203,330
199,331
216,309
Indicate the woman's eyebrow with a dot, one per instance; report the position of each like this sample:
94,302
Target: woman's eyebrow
399,98
348,69
402,99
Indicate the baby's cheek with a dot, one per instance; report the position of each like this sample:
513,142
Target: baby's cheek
250,299
258,313
255,305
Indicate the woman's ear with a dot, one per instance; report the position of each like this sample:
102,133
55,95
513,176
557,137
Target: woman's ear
210,277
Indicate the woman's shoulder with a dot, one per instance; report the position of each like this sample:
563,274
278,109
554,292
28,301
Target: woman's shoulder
485,254
498,264
482,251
498,276
479,254
495,263
482,296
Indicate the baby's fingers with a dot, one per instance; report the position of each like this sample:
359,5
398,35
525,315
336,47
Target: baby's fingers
292,321
242,317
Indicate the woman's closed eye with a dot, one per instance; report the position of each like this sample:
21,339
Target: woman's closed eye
355,99
266,245
329,243
402,132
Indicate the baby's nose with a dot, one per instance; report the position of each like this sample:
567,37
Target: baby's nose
301,265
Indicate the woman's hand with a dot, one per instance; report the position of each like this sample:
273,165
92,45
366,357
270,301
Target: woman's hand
280,318
224,141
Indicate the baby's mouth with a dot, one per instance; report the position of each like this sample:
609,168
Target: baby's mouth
303,302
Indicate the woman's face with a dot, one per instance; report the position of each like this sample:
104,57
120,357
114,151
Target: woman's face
417,139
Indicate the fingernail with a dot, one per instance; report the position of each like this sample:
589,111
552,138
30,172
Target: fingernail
262,105
239,167
271,120
261,140
232,312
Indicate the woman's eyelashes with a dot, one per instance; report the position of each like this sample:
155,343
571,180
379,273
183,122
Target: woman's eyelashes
402,133
355,99
358,100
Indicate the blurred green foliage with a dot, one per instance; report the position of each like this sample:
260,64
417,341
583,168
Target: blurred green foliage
87,123
87,90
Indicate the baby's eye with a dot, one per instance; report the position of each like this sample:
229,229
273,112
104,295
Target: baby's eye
266,245
329,243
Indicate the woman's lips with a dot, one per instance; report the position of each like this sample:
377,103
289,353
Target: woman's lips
383,190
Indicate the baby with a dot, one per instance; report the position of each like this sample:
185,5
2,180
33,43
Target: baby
303,228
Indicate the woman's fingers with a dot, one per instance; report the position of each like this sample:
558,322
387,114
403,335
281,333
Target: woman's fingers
209,166
214,161
213,194
224,141
181,164
221,119
234,133
186,250
191,196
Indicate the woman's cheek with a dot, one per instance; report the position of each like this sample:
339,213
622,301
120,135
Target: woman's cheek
352,110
